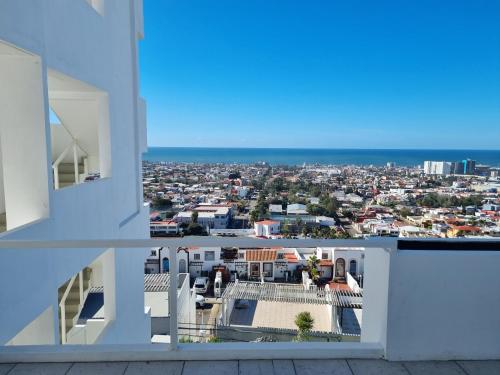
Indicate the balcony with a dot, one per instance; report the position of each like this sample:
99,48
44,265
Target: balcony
406,317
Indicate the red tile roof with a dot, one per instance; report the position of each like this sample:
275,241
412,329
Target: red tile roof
467,228
263,255
267,222
291,258
339,286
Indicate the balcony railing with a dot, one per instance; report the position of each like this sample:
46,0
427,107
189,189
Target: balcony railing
389,277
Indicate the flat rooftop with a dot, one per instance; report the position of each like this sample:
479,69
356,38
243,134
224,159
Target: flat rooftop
280,315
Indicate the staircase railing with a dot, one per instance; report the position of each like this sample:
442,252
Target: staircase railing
55,166
62,306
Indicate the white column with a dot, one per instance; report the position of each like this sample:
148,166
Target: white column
104,137
172,297
108,276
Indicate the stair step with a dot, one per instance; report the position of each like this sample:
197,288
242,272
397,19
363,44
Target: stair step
72,293
65,184
69,168
66,177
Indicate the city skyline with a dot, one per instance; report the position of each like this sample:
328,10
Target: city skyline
322,75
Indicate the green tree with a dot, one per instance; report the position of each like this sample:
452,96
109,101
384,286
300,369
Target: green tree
312,264
194,217
162,202
305,323
195,229
405,212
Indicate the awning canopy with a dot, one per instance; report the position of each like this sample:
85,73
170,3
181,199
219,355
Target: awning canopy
292,293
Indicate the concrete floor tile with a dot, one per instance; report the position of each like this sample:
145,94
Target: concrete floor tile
433,368
210,367
5,367
283,367
155,368
256,367
104,368
376,367
40,369
321,367
480,367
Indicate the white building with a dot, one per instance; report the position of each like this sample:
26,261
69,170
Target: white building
437,167
209,216
296,209
266,228
76,178
164,228
156,298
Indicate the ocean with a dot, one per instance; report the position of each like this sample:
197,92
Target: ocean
296,156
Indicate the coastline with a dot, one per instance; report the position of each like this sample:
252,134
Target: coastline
300,156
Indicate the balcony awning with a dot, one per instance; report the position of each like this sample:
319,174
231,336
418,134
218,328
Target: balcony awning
291,293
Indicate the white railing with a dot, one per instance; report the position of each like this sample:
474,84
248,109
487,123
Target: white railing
55,166
173,350
62,306
353,284
385,327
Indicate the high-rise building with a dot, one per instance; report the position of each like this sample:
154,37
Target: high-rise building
469,166
437,167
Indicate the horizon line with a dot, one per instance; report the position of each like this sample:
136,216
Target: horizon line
326,148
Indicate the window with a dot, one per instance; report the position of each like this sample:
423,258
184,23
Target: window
280,256
340,268
241,255
153,253
197,257
166,265
324,255
353,267
209,255
268,269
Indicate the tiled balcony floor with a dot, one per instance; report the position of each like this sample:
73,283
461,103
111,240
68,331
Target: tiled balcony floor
261,367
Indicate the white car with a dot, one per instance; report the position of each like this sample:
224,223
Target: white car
201,285
200,300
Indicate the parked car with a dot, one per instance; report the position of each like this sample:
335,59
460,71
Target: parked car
200,301
201,285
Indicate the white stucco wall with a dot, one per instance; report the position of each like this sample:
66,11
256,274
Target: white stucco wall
39,332
428,304
100,50
443,305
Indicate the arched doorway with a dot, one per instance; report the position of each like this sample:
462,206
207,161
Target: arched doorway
340,267
166,265
182,266
353,267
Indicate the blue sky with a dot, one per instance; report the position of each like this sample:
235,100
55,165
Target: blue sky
326,74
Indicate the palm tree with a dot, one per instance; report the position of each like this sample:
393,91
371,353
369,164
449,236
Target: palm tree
312,264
